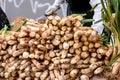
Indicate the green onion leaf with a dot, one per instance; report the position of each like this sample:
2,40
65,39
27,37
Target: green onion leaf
79,14
19,28
112,61
98,21
87,21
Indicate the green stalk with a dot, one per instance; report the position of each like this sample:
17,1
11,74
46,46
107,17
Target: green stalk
5,29
19,28
87,21
112,61
104,8
79,14
111,16
94,7
98,21
1,31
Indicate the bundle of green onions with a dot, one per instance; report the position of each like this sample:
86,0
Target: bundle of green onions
111,21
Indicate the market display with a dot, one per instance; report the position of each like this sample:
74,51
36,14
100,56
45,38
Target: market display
57,49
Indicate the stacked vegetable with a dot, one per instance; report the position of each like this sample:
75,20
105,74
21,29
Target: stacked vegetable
111,21
59,49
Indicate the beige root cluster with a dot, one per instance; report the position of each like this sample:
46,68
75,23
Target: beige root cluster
59,49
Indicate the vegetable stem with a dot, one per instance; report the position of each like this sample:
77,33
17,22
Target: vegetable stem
19,28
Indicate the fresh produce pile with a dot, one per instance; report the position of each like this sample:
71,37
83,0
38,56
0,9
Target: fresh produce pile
59,49
111,21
